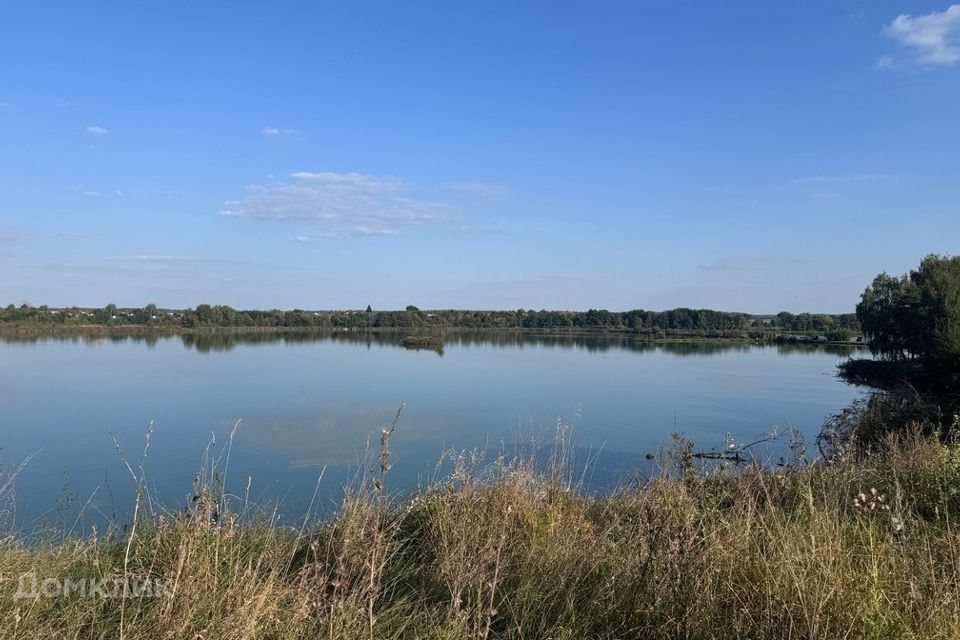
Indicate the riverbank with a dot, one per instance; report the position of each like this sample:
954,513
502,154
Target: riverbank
855,550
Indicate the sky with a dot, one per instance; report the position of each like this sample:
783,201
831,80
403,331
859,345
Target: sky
748,156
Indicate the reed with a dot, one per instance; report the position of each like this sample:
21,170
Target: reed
864,548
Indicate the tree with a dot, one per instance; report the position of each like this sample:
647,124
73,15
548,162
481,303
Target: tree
840,334
916,315
888,314
204,313
913,322
938,319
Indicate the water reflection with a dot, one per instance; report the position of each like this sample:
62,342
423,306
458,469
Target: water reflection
310,401
227,340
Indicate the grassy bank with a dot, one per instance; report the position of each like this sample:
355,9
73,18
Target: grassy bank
504,551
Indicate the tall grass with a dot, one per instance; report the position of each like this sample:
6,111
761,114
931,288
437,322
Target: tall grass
865,549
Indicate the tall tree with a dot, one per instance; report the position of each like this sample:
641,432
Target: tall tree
938,283
888,314
916,315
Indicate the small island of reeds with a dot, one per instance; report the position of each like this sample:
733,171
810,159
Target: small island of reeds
432,343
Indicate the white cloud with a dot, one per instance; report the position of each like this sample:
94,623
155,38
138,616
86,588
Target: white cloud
153,258
97,131
344,204
94,192
375,230
349,181
76,234
9,241
738,264
934,37
886,62
862,177
6,106
273,131
482,190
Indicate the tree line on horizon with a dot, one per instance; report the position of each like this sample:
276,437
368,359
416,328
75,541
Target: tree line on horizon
835,326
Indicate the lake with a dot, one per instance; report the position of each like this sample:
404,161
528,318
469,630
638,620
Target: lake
307,404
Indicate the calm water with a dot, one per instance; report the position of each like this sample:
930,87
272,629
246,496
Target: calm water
309,403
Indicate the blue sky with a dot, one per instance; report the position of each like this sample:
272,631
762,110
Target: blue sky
753,156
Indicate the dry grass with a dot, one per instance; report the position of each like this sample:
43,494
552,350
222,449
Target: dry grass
504,551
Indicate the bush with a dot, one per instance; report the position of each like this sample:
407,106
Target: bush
867,422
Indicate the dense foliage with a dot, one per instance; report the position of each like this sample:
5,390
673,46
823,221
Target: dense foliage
913,323
916,316
703,321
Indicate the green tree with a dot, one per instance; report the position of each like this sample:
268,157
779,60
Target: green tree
148,313
840,334
888,313
916,315
938,320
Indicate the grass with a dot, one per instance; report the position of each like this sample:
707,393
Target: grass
506,550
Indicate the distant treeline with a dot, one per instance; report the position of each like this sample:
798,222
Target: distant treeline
704,322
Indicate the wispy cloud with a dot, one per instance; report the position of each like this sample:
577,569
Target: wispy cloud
6,106
822,180
344,204
933,38
9,242
77,235
738,264
361,230
153,258
483,190
886,62
274,131
94,192
97,131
